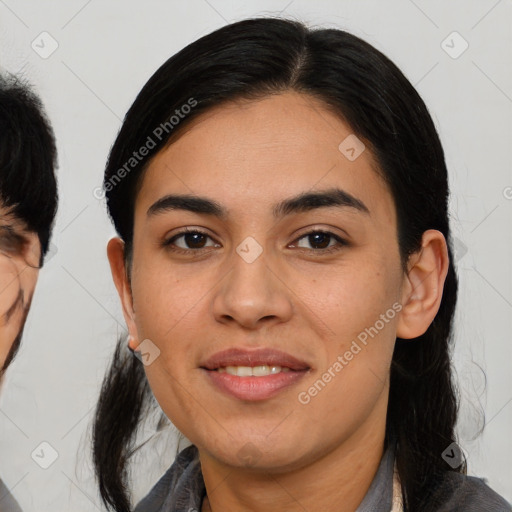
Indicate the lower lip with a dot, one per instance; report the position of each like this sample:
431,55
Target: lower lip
254,388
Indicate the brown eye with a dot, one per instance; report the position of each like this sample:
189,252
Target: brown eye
188,240
194,240
320,240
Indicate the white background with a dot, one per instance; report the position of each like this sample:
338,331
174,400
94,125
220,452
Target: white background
106,52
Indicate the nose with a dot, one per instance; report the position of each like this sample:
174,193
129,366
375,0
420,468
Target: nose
253,294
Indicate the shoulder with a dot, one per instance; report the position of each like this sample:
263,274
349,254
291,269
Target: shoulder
7,501
180,488
462,493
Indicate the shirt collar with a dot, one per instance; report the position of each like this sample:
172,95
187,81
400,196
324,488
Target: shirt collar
182,488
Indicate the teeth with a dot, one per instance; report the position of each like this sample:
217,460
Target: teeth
241,371
256,371
260,371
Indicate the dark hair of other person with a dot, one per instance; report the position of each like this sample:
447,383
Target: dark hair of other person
252,59
28,159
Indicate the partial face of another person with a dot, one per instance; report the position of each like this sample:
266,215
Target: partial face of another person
282,243
20,253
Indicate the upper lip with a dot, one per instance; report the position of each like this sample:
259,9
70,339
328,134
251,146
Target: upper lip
256,357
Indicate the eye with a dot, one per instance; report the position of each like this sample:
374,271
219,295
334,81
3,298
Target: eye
10,242
189,240
193,240
321,241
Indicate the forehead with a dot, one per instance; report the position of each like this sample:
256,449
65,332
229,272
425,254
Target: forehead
248,154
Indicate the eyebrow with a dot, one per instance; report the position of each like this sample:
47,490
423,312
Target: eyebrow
304,202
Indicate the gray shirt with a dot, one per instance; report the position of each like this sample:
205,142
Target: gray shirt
7,502
182,489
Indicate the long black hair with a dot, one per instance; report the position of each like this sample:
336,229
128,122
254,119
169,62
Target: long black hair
254,58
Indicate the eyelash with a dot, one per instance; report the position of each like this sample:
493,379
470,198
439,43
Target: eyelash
168,244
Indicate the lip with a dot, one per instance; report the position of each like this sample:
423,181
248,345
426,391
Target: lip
257,357
254,388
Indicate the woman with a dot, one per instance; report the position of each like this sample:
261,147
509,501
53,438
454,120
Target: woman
284,265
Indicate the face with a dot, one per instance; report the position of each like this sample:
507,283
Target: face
20,253
285,254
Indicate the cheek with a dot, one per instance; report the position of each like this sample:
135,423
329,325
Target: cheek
161,299
29,278
349,298
169,311
355,378
359,306
10,284
174,382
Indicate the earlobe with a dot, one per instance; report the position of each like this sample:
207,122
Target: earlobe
115,252
132,343
423,286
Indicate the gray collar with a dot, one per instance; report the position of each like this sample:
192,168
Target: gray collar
182,487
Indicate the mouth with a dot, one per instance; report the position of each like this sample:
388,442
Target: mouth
254,375
261,358
253,371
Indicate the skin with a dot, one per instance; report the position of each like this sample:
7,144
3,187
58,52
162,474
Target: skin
20,252
247,156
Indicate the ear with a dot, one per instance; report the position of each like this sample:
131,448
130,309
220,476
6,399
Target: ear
115,252
423,285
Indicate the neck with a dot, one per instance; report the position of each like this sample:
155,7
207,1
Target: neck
340,477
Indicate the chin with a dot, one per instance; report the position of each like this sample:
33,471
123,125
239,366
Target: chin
259,455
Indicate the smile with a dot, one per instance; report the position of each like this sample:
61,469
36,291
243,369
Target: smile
254,371
252,375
